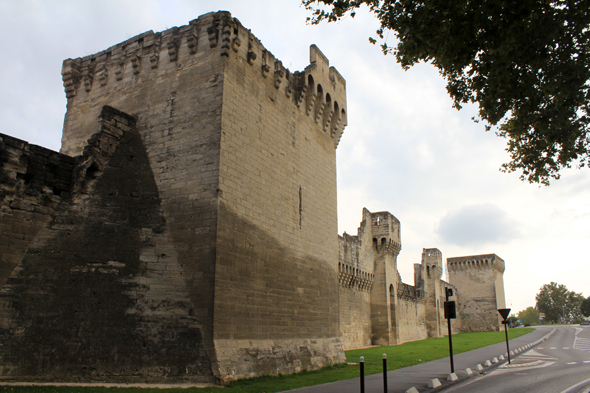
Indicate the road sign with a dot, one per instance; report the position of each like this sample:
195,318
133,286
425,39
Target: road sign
504,312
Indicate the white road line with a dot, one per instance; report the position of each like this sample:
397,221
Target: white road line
586,361
575,388
572,363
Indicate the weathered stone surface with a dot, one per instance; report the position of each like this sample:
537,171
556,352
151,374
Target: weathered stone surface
193,238
83,305
236,239
376,307
480,286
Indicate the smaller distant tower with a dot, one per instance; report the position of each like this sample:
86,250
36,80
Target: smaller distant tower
385,229
479,280
427,277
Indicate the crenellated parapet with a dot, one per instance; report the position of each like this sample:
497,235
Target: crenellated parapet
319,91
350,273
355,278
476,262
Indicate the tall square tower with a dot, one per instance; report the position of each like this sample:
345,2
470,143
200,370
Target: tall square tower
242,153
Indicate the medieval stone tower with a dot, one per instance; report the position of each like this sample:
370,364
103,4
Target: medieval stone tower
198,238
385,229
428,275
480,285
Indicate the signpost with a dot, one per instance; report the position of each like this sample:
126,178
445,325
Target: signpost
504,312
450,313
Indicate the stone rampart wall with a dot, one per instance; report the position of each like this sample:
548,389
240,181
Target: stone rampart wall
33,182
99,293
411,319
356,282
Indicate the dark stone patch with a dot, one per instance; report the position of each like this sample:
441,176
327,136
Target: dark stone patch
69,314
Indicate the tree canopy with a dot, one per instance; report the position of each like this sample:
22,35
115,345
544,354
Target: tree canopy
585,307
558,303
525,63
529,316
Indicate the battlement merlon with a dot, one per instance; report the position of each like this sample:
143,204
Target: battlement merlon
485,261
319,90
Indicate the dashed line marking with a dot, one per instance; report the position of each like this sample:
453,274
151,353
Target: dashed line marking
586,361
572,362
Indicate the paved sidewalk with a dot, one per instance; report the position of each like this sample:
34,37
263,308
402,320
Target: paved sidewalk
420,375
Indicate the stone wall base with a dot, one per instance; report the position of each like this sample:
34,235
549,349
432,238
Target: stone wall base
239,359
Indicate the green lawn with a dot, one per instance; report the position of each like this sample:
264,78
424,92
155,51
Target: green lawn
398,356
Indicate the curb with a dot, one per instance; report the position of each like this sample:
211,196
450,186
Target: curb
491,364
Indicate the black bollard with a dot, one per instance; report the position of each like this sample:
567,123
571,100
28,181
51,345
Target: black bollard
385,373
362,363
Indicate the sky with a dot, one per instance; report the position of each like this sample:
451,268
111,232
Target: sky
405,150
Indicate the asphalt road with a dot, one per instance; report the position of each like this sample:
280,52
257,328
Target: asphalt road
561,364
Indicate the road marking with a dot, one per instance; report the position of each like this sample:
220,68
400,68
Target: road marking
586,361
528,365
572,363
532,354
582,343
575,388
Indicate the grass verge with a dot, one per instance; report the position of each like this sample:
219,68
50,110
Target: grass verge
398,356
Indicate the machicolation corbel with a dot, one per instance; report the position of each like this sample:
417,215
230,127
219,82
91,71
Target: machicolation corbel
136,63
192,42
235,44
265,66
225,39
172,51
71,76
102,74
173,47
192,36
120,68
320,104
328,114
279,73
310,98
213,34
300,87
87,76
155,52
251,54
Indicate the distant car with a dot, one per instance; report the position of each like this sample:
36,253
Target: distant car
585,323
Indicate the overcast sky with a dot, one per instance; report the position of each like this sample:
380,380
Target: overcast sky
405,150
